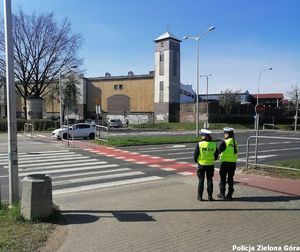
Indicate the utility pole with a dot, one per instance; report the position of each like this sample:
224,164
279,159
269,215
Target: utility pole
11,107
297,105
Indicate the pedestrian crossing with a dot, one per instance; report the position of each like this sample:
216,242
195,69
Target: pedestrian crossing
73,172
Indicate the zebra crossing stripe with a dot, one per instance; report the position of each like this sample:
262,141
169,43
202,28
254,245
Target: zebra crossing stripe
90,179
41,160
185,173
104,185
39,153
54,171
80,162
81,174
39,135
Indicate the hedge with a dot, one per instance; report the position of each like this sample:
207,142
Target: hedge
38,124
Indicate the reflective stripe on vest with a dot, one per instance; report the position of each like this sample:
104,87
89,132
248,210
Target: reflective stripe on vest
228,154
206,153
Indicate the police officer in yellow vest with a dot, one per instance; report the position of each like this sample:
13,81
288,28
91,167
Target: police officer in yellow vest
228,150
205,154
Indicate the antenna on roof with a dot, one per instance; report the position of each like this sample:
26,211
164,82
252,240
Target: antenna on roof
168,27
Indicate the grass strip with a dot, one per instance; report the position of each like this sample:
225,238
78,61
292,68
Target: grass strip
277,172
16,234
188,126
149,140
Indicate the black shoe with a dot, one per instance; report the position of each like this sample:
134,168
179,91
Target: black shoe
199,198
229,196
210,198
221,196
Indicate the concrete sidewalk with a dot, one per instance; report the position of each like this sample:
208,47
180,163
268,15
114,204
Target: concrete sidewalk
165,216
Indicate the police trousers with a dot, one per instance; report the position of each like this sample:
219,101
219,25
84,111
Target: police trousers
227,170
207,170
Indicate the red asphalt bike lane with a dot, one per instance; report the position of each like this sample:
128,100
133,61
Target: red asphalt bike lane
284,186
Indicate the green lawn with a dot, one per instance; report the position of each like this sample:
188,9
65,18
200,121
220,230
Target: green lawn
19,235
140,140
188,126
281,173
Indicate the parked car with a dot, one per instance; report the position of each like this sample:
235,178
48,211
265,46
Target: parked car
90,121
115,123
79,130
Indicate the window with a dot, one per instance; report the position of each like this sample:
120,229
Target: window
118,87
161,91
162,44
174,63
161,63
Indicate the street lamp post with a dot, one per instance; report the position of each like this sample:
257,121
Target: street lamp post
206,75
197,38
256,114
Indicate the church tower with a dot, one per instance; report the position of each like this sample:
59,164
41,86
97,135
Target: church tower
167,78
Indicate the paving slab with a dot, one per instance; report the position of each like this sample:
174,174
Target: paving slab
165,216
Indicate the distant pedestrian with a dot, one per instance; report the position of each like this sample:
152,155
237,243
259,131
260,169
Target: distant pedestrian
228,150
126,122
205,154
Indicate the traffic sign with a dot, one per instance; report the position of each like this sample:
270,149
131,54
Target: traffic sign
259,108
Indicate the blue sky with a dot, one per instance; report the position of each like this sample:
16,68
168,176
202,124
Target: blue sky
250,36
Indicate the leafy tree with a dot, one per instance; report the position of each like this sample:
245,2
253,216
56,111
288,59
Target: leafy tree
43,48
227,100
70,93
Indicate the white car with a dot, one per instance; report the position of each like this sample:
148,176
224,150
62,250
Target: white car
79,130
115,123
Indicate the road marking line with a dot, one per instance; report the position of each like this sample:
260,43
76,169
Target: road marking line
154,166
168,169
82,162
109,176
141,162
185,173
39,152
41,160
81,174
179,146
130,160
61,166
104,185
39,135
23,174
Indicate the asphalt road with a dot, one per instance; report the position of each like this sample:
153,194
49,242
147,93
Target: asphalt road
79,169
268,149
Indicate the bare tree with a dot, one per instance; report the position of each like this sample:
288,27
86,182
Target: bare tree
227,99
294,94
42,49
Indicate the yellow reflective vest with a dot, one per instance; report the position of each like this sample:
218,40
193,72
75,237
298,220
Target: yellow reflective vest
228,154
206,153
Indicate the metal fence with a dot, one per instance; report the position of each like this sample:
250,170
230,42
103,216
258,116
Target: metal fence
102,133
28,128
266,165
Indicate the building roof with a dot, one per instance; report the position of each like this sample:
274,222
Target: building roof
269,96
167,35
123,77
